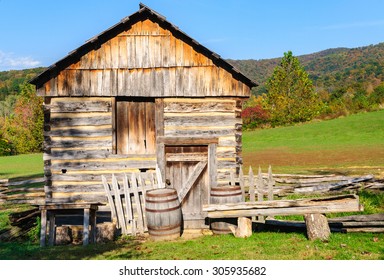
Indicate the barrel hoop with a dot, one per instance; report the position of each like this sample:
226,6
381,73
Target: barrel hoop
228,194
161,201
225,188
162,210
164,228
161,194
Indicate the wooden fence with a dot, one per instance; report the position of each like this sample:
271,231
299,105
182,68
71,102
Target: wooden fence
267,184
126,198
30,191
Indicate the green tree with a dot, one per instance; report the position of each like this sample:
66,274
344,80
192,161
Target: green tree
24,128
291,96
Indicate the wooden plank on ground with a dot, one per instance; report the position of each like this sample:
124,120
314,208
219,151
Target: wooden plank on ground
343,203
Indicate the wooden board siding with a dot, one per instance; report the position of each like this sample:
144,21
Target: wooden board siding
148,61
78,149
208,117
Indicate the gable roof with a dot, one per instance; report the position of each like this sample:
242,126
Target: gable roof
143,13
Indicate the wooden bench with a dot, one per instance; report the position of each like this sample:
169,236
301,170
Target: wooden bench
313,209
49,211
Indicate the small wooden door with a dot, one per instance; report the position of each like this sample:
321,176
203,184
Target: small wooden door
186,171
188,164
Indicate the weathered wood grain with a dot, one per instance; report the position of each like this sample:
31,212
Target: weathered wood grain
285,207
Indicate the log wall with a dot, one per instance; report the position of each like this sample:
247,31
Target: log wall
208,117
79,145
78,149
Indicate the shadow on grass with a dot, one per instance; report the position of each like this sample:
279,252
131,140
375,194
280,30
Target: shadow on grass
121,249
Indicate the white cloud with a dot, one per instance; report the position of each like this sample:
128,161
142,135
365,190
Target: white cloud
10,61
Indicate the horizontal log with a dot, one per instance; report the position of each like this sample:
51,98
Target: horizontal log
365,229
24,190
88,104
198,121
345,203
79,142
204,132
358,224
186,140
303,181
198,105
84,131
359,218
186,157
100,153
68,121
25,182
103,165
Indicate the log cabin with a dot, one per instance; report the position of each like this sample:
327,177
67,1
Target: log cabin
141,94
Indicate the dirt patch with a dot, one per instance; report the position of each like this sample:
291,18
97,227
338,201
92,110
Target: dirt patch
348,161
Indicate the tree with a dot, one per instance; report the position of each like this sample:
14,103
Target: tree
24,129
291,96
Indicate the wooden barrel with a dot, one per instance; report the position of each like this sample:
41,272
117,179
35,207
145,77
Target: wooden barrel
224,195
163,214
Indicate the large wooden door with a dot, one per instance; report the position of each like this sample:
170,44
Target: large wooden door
186,171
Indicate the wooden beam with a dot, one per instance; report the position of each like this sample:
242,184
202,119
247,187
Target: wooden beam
191,180
343,203
187,140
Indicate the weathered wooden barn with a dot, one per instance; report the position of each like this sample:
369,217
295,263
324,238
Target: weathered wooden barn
141,94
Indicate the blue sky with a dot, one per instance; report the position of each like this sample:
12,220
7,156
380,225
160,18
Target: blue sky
40,32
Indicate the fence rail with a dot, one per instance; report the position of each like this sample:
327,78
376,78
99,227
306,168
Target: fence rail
268,184
22,191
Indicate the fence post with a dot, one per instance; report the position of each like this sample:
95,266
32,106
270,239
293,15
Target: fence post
260,191
241,181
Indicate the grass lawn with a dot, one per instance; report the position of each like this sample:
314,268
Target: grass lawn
348,145
21,166
260,246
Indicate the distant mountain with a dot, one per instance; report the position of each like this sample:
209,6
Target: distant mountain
330,70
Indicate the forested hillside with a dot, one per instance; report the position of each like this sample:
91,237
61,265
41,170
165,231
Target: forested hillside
21,113
330,70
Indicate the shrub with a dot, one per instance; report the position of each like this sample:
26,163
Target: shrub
255,116
5,147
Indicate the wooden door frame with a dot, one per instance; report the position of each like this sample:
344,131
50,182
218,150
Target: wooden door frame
211,142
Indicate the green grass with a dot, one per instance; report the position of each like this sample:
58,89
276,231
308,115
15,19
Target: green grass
353,144
261,245
21,166
360,130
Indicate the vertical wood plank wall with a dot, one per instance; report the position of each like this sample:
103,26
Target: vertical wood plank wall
145,60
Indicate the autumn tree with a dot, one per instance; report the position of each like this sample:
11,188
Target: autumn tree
24,128
291,96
